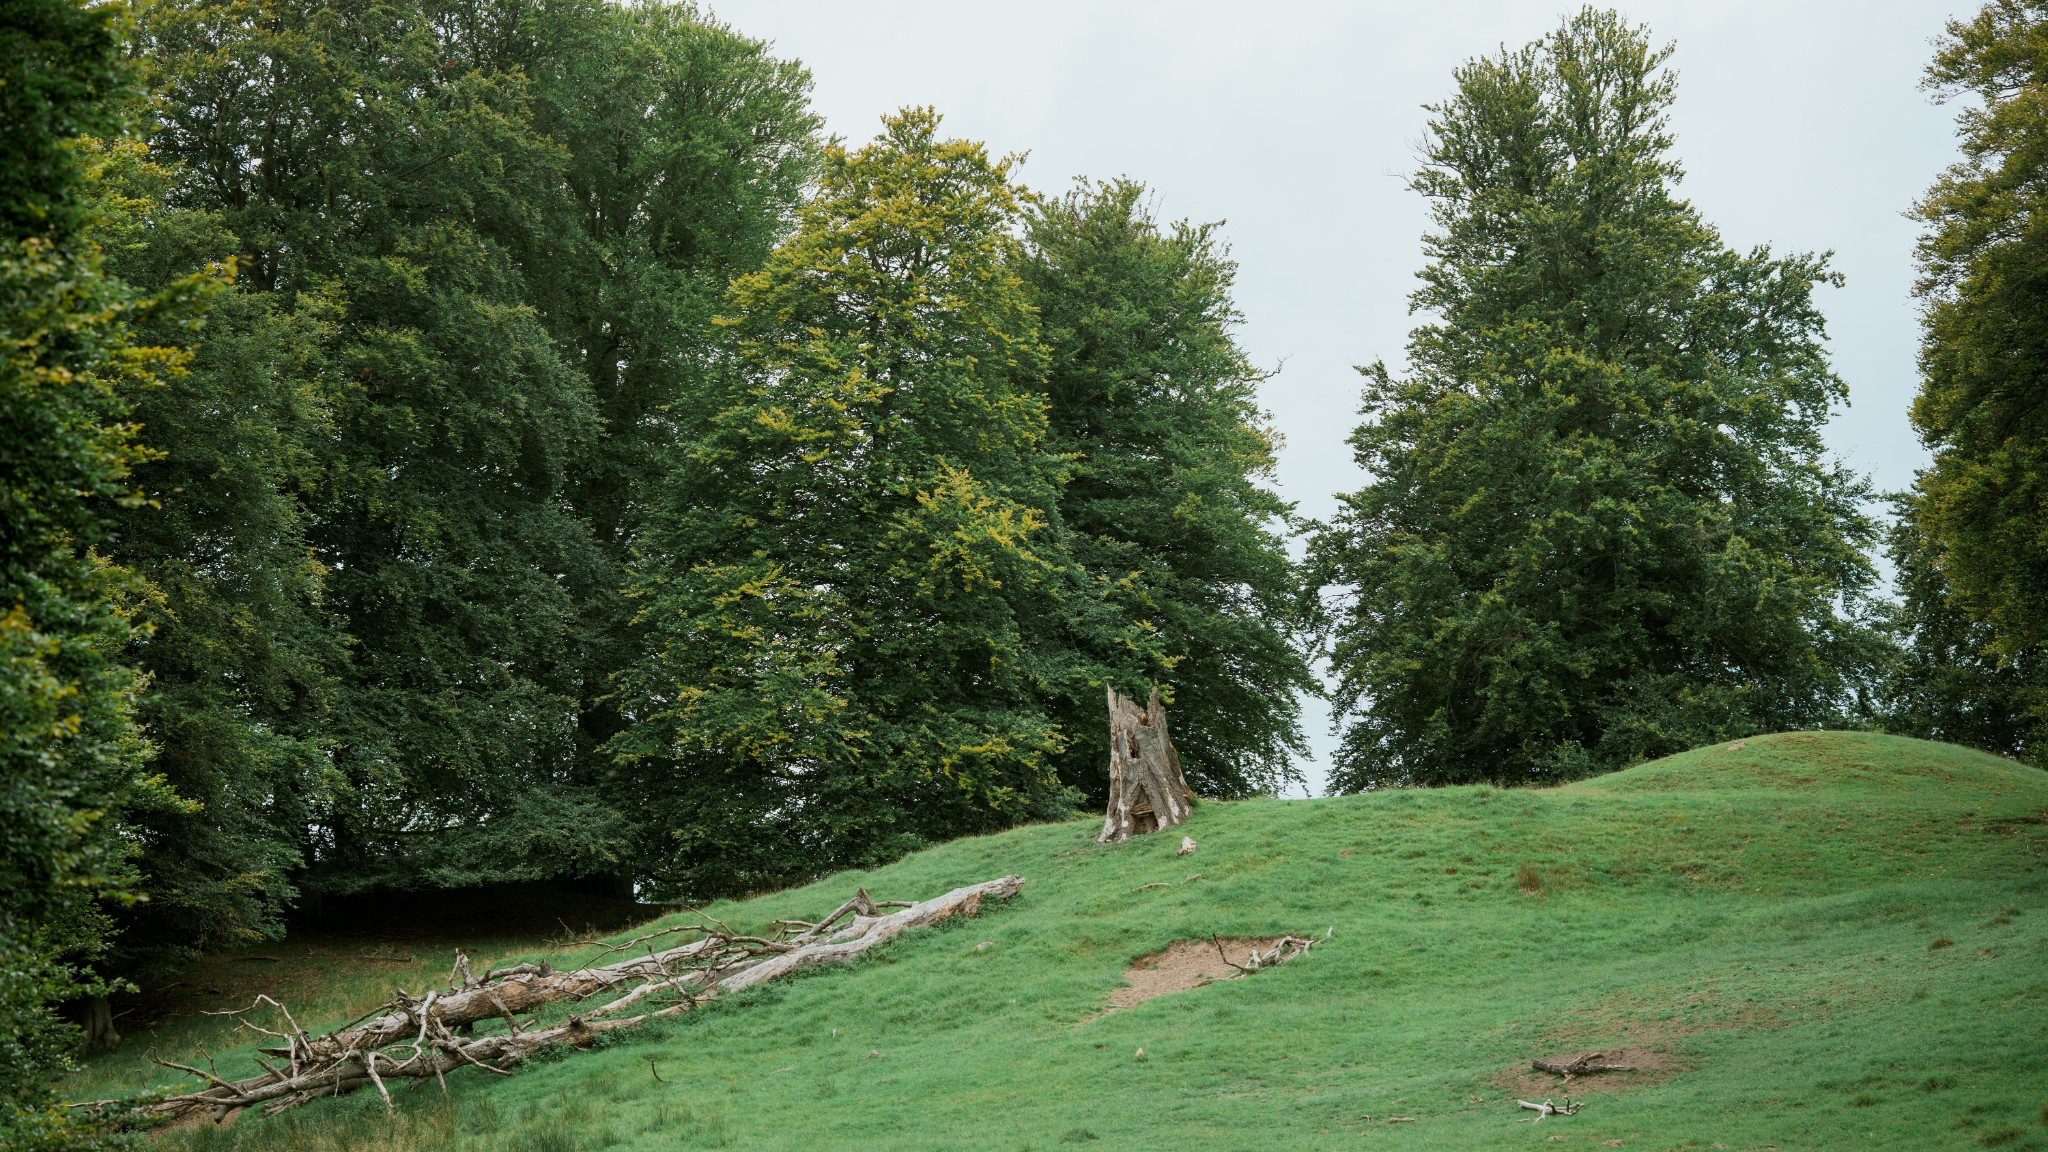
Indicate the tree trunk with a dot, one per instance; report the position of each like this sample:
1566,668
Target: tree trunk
1146,789
429,1037
99,1025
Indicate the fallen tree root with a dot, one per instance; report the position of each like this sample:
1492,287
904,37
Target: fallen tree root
1283,948
416,1038
1580,1065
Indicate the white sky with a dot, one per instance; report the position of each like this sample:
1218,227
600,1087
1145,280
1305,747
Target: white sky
1800,123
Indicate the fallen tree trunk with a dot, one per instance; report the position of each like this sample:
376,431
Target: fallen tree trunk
1147,791
1580,1065
414,1039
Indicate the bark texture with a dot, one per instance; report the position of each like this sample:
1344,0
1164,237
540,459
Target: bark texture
99,1025
1580,1065
1146,789
435,1034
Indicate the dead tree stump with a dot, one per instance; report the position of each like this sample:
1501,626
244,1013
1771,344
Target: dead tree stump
1146,789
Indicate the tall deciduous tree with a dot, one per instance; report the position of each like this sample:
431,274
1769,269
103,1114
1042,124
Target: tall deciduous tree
1157,408
71,759
688,148
1601,526
379,168
861,599
236,643
1949,680
1979,515
479,243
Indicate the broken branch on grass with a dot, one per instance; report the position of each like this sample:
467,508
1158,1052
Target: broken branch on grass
1241,969
1580,1065
1569,1107
415,1039
1280,948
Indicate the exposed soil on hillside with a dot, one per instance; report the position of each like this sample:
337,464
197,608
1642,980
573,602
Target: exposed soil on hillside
1183,965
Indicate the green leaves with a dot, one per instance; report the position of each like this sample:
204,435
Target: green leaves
70,361
1156,409
478,246
858,597
1972,546
1602,527
1980,403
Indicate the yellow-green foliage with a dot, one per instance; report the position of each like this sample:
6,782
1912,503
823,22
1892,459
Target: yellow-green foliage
1758,913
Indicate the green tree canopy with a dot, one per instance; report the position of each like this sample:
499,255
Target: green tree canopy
380,162
861,599
1157,407
478,243
71,759
1976,568
1949,680
236,642
1600,525
688,148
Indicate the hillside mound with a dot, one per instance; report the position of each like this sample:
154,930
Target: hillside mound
1828,941
1809,760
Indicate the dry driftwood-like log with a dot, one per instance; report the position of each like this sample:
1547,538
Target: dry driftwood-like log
1580,1065
1146,789
1546,1108
416,1038
1284,948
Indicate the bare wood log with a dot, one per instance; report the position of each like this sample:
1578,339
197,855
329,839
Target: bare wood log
1580,1065
1147,791
416,1038
1547,1108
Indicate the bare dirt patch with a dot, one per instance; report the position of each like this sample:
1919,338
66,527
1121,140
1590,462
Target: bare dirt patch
1183,965
1650,1067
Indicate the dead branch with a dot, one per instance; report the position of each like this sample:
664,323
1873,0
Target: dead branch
1580,1065
1281,949
417,1038
1285,948
1569,1107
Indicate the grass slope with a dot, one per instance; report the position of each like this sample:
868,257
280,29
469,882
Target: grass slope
1763,914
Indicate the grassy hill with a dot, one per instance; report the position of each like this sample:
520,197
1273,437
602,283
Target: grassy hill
1820,940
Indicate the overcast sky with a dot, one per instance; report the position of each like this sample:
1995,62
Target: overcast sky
1800,123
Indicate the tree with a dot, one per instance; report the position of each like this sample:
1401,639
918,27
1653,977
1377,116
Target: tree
1600,527
1157,407
379,169
70,755
1947,681
861,600
235,640
1978,518
688,148
478,244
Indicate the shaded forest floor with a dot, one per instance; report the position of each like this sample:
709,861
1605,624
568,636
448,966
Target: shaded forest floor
1804,940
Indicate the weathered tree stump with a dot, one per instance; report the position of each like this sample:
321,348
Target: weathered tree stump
1146,789
99,1025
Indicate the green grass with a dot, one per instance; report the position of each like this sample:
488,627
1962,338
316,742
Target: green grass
1761,916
